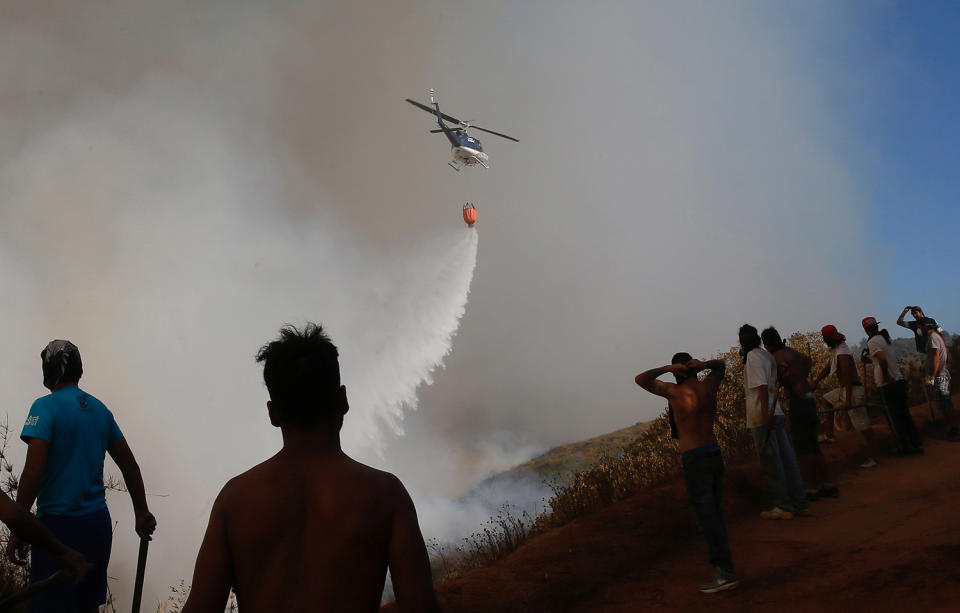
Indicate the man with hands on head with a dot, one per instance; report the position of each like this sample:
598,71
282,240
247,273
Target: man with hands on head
694,405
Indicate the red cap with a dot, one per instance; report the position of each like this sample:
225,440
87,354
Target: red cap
830,331
869,322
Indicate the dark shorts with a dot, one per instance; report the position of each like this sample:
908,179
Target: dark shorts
803,425
89,534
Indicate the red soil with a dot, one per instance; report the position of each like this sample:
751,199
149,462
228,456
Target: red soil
890,541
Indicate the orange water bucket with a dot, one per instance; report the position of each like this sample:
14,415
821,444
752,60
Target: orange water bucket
469,214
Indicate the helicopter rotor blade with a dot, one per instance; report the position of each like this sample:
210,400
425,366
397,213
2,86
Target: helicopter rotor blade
495,133
432,111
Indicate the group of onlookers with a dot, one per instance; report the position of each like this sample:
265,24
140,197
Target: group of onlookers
312,528
794,465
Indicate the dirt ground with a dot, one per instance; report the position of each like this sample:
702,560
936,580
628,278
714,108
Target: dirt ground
891,541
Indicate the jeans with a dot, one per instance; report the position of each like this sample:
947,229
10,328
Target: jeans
703,473
779,466
901,422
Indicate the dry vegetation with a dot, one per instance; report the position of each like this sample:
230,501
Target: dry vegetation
650,459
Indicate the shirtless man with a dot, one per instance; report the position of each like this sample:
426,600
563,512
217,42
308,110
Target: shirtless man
794,377
310,529
694,405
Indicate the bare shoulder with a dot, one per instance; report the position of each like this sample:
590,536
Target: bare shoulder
385,483
249,482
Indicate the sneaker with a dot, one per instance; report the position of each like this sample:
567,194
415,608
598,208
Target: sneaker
829,491
723,580
803,513
870,463
812,495
776,513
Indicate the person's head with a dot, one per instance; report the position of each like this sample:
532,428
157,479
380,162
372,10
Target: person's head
302,374
831,336
749,339
927,325
917,312
771,340
680,358
872,327
61,364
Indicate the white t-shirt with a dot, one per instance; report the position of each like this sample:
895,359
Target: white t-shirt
877,344
840,349
760,369
935,341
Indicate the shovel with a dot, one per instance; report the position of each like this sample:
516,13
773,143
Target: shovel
141,569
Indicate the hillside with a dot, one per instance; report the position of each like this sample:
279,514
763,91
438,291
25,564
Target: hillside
884,543
527,485
561,462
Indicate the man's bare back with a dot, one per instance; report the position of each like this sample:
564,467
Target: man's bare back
325,523
694,402
794,369
694,405
315,533
310,529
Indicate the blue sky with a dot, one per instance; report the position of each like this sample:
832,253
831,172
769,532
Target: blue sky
898,85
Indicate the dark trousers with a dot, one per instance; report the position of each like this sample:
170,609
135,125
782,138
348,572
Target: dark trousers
703,473
89,534
901,422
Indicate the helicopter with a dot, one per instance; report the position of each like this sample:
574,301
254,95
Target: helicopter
466,150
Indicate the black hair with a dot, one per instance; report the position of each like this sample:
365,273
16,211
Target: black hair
749,339
681,357
302,374
74,370
772,339
834,342
873,330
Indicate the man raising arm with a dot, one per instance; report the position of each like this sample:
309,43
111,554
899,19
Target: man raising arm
694,405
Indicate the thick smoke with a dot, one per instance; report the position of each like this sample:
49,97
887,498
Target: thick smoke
179,180
169,290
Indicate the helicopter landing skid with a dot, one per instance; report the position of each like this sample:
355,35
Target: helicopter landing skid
454,166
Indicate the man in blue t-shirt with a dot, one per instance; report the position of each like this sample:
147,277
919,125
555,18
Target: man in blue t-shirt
68,433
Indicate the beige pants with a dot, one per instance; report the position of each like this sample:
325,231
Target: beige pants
859,416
